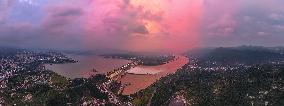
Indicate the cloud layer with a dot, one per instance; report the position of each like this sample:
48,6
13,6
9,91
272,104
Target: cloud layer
140,25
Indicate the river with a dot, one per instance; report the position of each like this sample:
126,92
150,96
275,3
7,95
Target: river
84,68
141,77
137,78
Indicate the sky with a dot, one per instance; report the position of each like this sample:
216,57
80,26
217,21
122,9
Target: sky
140,25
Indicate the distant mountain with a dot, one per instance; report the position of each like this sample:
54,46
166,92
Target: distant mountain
278,49
5,51
242,54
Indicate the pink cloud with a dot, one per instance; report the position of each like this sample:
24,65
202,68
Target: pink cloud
58,19
140,25
225,26
145,25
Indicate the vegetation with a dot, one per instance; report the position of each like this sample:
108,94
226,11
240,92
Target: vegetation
143,97
244,55
215,82
256,85
61,91
59,81
251,77
146,60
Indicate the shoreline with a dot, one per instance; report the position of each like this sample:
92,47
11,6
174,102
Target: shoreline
139,74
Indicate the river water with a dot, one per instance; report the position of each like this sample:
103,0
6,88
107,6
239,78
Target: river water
86,65
141,77
137,78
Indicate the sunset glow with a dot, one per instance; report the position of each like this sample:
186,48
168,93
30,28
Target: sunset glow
138,25
146,25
